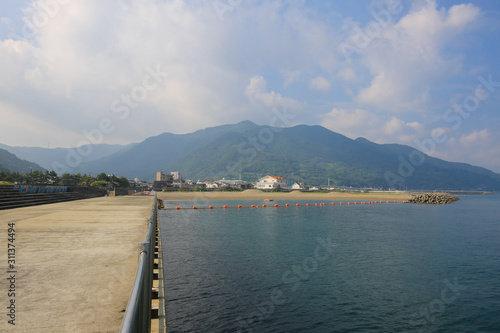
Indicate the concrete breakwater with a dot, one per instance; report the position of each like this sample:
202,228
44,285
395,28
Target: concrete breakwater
433,198
74,264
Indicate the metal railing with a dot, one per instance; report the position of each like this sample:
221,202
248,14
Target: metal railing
138,315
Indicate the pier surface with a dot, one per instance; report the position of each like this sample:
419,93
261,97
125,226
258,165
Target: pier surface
75,264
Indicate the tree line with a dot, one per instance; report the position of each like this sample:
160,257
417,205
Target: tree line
37,177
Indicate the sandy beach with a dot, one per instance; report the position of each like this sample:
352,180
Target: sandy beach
295,195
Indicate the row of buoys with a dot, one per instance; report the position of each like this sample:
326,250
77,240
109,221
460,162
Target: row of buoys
286,205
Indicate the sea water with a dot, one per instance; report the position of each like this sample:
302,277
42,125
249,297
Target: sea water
352,268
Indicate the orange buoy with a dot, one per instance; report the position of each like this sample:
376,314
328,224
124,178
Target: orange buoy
333,203
239,206
316,204
341,203
348,203
362,202
307,204
177,207
395,201
356,203
324,203
287,205
224,206
297,205
210,207
253,206
194,207
264,206
275,205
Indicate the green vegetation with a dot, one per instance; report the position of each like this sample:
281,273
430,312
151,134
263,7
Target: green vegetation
231,189
37,177
34,177
315,156
99,183
200,189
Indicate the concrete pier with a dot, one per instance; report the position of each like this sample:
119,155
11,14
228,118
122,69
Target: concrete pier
75,264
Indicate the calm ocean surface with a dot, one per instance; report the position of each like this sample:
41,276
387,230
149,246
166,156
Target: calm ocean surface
358,268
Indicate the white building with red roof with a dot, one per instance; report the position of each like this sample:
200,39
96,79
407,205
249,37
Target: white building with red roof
270,182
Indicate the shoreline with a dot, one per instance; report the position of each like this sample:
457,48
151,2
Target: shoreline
295,195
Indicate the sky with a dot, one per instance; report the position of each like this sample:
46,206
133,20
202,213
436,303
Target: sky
422,73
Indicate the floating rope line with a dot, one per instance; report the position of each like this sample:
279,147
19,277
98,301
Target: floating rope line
281,206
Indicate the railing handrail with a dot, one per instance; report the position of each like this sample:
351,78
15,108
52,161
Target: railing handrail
138,314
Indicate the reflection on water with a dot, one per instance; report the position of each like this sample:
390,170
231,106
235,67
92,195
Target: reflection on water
363,268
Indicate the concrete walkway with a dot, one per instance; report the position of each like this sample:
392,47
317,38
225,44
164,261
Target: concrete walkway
75,264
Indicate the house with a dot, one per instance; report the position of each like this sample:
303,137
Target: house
270,182
211,185
297,186
236,183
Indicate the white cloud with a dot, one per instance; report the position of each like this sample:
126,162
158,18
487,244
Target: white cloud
476,138
406,59
381,128
260,97
18,129
64,78
476,146
290,77
90,53
348,74
320,83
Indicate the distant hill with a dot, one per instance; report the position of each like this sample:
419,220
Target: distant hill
312,154
156,153
309,154
10,162
45,157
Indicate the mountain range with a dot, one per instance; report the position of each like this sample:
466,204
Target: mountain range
10,162
310,154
